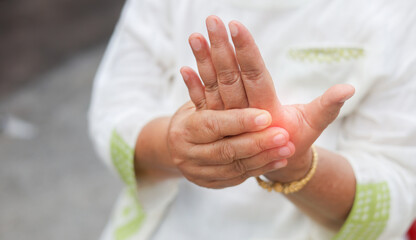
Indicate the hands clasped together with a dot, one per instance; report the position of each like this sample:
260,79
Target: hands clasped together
235,127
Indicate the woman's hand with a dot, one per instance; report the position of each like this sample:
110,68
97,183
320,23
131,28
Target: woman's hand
218,149
239,79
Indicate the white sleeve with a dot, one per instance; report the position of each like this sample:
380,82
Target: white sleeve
133,78
379,141
130,89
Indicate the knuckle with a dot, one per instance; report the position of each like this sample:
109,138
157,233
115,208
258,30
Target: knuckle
226,152
242,178
228,77
259,144
252,75
241,121
200,104
219,44
212,125
202,58
211,87
240,168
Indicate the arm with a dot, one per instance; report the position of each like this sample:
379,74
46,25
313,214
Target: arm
329,195
152,158
367,187
128,107
127,112
243,76
321,198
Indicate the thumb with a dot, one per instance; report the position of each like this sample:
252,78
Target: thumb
324,110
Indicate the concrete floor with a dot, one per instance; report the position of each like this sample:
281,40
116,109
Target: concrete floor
53,186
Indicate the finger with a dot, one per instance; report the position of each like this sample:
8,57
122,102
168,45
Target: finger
270,167
239,167
219,184
208,126
195,87
281,152
246,145
258,83
225,184
206,70
223,57
323,110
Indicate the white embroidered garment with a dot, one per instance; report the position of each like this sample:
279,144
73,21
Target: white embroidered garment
308,46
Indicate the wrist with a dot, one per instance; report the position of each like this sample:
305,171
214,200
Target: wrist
152,157
297,168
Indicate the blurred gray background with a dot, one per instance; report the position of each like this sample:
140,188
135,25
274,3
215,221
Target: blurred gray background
52,185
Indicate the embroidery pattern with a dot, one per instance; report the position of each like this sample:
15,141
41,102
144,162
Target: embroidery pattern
370,213
326,55
131,215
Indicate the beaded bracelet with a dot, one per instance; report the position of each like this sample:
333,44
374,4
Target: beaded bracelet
294,186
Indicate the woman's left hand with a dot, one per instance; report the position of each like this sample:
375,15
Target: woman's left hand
239,79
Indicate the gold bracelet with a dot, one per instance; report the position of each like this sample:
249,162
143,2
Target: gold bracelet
294,186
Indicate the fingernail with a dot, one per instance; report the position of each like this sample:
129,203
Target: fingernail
279,139
211,24
185,75
195,44
344,99
262,120
280,164
284,151
233,29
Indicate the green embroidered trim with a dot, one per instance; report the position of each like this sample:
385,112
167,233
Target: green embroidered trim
122,156
326,55
127,230
131,216
370,213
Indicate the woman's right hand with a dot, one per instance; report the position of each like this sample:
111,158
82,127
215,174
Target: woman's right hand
222,148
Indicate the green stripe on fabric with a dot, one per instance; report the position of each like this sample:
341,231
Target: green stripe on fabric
127,230
130,217
122,156
369,214
326,55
